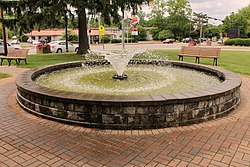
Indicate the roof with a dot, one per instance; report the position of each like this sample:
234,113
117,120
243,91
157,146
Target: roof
60,32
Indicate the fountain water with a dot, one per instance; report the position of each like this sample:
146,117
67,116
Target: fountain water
119,60
153,109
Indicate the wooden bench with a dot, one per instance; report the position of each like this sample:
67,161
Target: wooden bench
200,52
17,55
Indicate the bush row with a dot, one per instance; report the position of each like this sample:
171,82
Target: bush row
106,39
238,42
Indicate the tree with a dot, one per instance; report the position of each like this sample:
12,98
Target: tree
239,20
177,22
179,25
164,34
212,31
158,9
176,7
142,34
246,14
47,13
7,6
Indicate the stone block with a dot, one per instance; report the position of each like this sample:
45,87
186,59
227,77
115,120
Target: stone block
108,119
132,120
80,108
129,110
168,108
141,110
116,110
144,119
59,105
37,108
179,108
170,117
52,104
72,115
189,107
70,107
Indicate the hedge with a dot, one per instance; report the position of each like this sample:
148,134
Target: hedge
105,39
238,42
116,40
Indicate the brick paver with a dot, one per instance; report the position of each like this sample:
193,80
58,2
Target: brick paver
27,140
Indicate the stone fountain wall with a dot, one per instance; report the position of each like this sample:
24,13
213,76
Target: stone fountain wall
130,112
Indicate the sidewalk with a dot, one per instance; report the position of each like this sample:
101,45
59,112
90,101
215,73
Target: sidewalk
27,140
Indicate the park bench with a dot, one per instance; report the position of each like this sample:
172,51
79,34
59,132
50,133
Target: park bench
15,54
200,52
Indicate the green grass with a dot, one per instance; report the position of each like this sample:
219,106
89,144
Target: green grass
237,61
4,75
39,60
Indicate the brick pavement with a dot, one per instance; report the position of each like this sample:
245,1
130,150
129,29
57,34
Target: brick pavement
26,140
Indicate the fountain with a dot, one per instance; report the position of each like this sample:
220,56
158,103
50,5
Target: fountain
119,63
145,101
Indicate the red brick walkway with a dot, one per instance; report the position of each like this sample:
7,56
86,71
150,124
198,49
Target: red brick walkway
26,140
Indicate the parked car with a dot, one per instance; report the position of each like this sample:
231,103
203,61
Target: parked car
60,46
220,41
168,41
9,46
15,42
35,42
30,40
186,40
202,39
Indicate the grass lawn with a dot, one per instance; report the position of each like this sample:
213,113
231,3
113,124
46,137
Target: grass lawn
39,60
4,75
237,61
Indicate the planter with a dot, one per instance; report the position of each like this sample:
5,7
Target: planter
191,43
42,50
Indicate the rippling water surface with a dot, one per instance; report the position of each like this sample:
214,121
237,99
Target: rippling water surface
142,80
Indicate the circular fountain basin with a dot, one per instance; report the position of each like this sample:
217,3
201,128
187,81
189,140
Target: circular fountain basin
140,111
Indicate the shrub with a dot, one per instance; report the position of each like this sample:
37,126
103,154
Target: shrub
71,36
105,39
24,38
133,40
116,40
238,42
164,34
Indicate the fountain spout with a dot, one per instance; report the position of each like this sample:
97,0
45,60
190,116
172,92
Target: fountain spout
119,63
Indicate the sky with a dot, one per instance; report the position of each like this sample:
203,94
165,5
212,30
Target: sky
218,8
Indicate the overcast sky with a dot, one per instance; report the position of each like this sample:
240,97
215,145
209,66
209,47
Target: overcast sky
218,8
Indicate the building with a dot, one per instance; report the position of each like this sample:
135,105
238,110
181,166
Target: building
57,34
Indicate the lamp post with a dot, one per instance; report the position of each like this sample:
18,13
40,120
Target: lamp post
89,19
66,31
123,34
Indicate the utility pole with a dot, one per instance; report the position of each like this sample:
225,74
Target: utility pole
201,25
200,18
66,32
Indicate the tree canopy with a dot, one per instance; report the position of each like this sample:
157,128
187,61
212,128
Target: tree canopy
49,13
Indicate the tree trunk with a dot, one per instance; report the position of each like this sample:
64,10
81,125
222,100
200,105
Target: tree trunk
3,33
82,28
